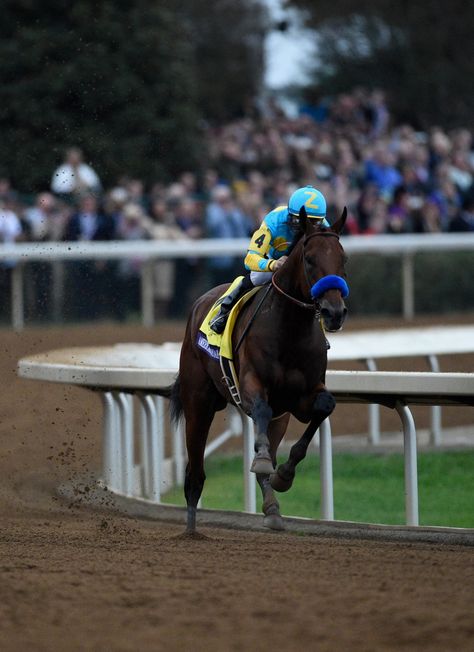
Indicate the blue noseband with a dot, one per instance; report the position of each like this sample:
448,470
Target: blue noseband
330,282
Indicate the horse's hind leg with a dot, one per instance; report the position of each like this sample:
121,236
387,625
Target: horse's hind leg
283,478
199,411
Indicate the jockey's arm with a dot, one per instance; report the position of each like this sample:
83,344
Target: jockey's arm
255,260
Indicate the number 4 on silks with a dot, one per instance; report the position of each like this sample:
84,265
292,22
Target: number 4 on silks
259,241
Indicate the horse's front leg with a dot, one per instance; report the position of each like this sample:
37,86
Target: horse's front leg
271,507
255,403
323,407
262,415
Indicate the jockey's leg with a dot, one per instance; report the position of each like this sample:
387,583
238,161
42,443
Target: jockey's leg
228,302
260,278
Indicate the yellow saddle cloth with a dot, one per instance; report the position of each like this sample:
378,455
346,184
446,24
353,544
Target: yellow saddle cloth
216,344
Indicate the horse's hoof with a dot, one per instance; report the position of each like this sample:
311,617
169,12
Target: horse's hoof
280,484
262,465
273,522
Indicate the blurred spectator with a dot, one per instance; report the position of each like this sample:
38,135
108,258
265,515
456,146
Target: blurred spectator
379,115
88,223
10,232
74,177
448,198
428,218
365,207
188,219
135,189
46,222
380,170
5,188
133,225
163,226
46,219
90,284
10,225
464,221
460,172
224,220
399,212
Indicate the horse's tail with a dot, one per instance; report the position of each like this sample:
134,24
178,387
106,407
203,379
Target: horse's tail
172,392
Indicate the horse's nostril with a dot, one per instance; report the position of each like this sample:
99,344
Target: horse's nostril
333,316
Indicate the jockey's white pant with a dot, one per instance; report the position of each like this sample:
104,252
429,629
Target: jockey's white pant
260,278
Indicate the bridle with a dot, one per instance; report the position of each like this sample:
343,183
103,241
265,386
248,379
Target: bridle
303,304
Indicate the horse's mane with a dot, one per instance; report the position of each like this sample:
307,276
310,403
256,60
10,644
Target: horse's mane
297,239
300,235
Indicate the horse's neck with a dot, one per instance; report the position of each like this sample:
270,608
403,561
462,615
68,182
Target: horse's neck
293,280
295,319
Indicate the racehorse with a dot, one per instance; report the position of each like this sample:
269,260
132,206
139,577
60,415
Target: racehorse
280,364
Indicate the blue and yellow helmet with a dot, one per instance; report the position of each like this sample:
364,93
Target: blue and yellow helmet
313,201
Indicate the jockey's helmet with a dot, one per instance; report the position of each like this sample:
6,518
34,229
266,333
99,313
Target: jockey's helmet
313,201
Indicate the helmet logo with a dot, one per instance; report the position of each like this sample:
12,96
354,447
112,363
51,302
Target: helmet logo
312,196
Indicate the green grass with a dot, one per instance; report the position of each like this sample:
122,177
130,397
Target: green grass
368,488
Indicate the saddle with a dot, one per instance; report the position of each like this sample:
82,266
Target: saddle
219,346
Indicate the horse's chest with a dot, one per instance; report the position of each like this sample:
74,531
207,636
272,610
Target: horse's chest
298,380
293,380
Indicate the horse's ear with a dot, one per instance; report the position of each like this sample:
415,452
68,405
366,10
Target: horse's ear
339,225
303,219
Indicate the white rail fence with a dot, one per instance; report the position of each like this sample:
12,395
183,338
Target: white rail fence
126,376
402,246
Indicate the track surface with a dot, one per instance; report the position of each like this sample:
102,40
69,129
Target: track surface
76,579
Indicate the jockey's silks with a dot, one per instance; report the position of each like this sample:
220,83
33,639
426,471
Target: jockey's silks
271,241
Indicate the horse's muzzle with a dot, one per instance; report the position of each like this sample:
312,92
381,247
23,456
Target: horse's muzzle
333,314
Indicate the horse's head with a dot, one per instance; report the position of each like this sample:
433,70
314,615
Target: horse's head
323,262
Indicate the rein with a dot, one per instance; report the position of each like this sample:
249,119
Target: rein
301,304
298,302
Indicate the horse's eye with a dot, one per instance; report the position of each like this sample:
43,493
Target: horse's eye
345,258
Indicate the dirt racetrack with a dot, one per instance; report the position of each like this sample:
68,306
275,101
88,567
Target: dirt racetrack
77,579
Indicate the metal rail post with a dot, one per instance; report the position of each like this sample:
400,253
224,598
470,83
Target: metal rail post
435,432
114,454
411,468
144,462
147,294
326,475
126,419
408,283
160,422
154,447
374,411
109,431
18,304
250,479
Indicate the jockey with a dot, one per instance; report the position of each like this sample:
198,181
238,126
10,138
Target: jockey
270,245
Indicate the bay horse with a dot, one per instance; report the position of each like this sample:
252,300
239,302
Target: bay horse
280,365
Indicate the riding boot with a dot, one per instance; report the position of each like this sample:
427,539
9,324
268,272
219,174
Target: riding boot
228,302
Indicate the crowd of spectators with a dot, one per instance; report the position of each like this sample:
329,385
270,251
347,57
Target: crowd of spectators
393,179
